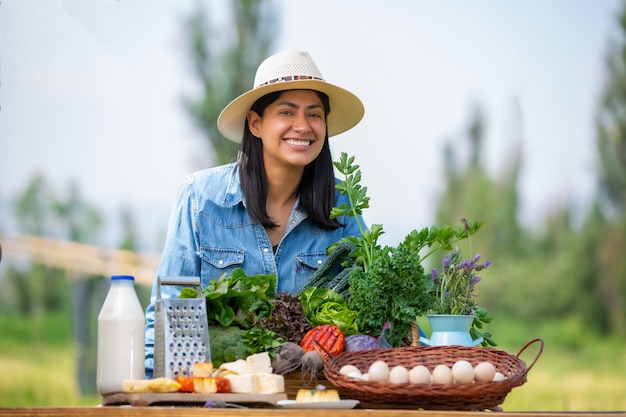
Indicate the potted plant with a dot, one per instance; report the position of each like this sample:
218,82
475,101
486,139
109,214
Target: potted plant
387,285
454,315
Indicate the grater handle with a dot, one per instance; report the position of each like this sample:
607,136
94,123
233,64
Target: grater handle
180,281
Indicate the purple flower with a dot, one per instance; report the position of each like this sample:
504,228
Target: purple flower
482,266
445,264
435,276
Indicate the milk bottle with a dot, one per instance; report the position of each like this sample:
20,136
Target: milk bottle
121,326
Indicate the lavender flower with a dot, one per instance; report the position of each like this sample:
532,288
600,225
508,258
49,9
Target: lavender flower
454,286
435,276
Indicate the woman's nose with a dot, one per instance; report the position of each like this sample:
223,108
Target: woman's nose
301,124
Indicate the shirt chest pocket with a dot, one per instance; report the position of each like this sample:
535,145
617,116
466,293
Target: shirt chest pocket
306,265
310,262
221,260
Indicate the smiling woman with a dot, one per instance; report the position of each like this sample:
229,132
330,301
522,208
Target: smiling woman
269,212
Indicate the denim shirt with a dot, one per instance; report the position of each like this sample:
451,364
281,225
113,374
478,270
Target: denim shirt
210,234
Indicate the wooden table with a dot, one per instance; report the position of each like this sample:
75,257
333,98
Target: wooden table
127,411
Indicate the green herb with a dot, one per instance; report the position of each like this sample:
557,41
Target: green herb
239,300
389,283
259,339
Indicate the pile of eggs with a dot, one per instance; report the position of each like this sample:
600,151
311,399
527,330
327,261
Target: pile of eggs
461,372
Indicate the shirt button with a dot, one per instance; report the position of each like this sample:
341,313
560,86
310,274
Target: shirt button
319,262
265,250
220,262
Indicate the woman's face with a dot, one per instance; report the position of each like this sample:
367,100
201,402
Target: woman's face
293,128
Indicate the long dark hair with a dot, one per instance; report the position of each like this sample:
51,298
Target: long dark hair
317,187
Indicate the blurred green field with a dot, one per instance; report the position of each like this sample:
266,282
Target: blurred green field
39,366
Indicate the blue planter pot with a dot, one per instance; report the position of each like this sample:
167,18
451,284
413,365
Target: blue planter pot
449,329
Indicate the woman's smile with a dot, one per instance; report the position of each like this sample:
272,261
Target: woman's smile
299,142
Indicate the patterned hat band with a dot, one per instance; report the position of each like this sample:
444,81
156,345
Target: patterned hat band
290,78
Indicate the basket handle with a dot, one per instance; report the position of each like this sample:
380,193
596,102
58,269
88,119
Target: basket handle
324,354
538,353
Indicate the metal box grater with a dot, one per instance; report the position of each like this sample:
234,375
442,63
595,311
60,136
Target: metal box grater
181,335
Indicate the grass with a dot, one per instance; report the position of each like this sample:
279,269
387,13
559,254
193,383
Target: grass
582,380
577,371
40,361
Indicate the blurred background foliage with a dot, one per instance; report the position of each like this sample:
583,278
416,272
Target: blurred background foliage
563,281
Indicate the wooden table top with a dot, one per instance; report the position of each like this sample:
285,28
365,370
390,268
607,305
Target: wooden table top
128,411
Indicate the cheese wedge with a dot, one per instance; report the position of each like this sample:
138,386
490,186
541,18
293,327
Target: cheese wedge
269,383
150,385
237,367
259,363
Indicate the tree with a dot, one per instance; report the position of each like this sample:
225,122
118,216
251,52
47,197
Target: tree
224,60
607,222
469,190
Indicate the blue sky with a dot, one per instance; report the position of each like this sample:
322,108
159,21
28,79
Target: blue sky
90,91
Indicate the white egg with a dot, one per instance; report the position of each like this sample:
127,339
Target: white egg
365,376
499,376
399,375
442,374
463,372
378,371
419,374
355,375
347,369
484,372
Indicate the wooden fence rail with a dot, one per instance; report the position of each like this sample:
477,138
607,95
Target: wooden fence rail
79,258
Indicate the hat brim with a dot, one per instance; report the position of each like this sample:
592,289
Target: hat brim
346,110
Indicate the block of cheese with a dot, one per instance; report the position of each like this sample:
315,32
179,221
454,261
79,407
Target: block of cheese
267,383
317,395
259,363
242,384
203,369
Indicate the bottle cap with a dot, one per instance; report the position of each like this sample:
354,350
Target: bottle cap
127,277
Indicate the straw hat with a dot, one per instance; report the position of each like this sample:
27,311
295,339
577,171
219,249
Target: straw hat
291,71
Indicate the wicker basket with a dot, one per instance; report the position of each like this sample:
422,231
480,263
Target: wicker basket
474,396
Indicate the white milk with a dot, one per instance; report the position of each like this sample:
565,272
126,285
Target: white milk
121,327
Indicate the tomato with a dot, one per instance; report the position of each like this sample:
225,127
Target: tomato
328,336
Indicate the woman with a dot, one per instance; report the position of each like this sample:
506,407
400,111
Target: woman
269,211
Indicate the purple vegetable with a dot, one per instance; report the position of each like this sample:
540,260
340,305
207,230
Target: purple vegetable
356,342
